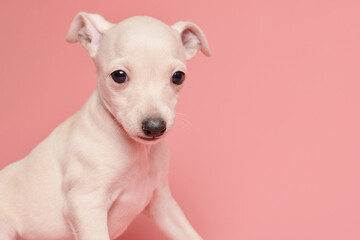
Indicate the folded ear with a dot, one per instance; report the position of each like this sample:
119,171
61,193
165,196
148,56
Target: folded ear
193,39
88,29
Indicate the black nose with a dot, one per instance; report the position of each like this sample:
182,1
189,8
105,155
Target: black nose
154,127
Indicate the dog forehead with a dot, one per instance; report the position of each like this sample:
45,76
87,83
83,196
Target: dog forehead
142,35
143,26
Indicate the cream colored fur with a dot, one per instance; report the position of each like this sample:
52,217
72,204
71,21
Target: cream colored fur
94,173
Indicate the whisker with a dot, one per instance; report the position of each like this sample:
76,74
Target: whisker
181,118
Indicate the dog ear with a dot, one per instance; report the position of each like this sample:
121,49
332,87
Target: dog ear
193,39
88,29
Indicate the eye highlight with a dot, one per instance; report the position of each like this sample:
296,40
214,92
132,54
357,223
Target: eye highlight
178,78
119,76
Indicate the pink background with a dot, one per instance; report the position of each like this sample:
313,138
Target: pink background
268,146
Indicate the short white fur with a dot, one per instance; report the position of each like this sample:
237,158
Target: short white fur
95,173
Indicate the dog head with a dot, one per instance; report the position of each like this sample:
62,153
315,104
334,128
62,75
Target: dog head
140,68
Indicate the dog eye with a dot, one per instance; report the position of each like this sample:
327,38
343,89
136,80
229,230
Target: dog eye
178,78
119,76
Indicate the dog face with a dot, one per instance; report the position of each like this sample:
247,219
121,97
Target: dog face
140,68
136,63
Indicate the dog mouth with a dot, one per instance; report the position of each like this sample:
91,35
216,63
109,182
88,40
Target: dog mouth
150,139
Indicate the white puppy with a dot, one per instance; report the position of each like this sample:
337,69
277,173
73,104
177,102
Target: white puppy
105,164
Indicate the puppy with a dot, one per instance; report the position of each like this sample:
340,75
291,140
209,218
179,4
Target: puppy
107,163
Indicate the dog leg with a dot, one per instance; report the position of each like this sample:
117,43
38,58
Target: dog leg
168,216
6,232
88,217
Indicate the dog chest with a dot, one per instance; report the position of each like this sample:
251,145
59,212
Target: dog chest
134,193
